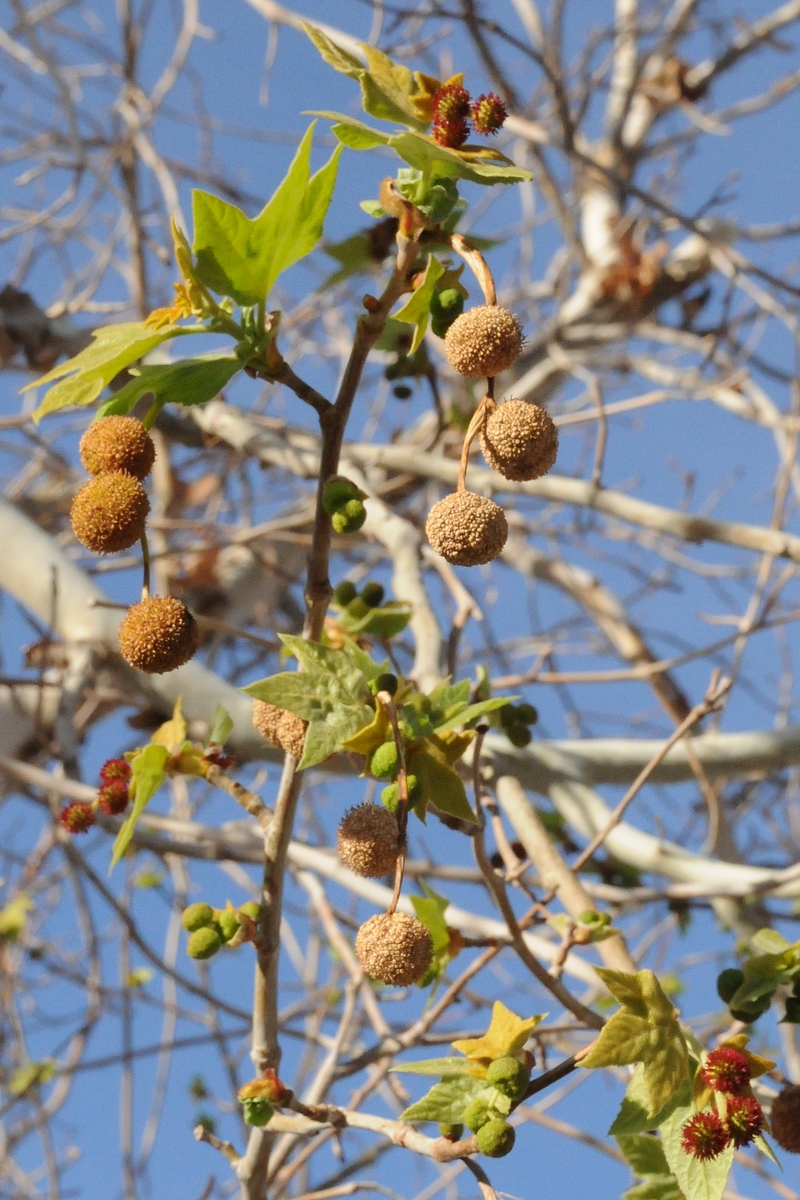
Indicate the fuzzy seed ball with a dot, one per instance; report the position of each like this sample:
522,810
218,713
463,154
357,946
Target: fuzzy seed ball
117,444
520,440
228,924
496,1138
158,635
203,943
280,727
483,341
109,512
467,529
509,1077
394,948
251,908
785,1118
383,763
368,840
477,1113
197,916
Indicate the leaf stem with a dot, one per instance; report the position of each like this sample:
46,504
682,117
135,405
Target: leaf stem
402,797
145,565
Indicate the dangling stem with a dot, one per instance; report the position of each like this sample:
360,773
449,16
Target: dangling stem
145,566
476,263
402,797
151,416
486,406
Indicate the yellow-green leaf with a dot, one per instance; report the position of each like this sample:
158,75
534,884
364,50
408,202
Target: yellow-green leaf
172,733
506,1035
417,310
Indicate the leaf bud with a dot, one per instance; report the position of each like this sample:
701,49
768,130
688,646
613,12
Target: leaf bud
251,908
228,923
350,518
337,492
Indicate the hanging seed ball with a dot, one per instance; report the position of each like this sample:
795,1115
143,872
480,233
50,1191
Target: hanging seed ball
467,529
483,341
280,727
158,635
368,840
785,1118
117,444
520,440
109,512
394,949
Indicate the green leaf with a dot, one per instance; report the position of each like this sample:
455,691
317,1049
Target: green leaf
441,786
645,1030
442,1066
417,310
698,1179
506,1035
384,622
83,377
431,159
221,727
446,1100
140,976
14,916
365,664
148,774
386,89
341,60
655,1187
242,258
471,711
763,973
769,941
187,381
645,1154
351,133
430,910
31,1073
634,1114
447,696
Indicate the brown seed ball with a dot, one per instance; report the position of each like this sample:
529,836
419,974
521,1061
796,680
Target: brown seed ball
785,1118
117,444
483,341
520,440
368,840
280,727
467,529
109,512
158,635
394,948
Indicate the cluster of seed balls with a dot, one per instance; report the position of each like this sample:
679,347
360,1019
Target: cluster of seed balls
112,798
494,1136
738,1120
109,514
518,439
210,928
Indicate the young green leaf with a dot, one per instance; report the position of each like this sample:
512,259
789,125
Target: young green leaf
443,1066
417,310
634,1115
441,785
473,165
148,774
384,622
763,973
430,909
471,711
645,1154
655,1187
221,727
446,1100
506,1035
187,381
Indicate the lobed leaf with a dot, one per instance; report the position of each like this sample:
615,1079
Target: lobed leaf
446,1100
698,1179
188,381
506,1035
417,310
148,774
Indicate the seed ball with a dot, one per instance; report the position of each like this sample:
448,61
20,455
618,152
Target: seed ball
372,594
368,840
112,797
520,440
496,1138
158,634
483,341
117,444
204,942
785,1118
394,948
251,908
280,727
467,529
109,512
345,592
197,916
383,764
390,796
509,1077
228,924
728,983
477,1113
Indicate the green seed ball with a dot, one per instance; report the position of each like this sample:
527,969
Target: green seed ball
496,1138
477,1113
527,714
518,734
509,1076
251,909
345,592
449,300
372,594
257,1112
358,608
386,682
204,943
728,983
390,795
228,923
337,492
450,1130
383,764
508,716
197,916
350,518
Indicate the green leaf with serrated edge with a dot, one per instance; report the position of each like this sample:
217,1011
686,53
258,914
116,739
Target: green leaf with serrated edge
356,136
769,941
339,663
242,258
474,710
446,694
221,727
386,89
341,60
446,1100
430,910
417,310
187,381
148,774
83,377
645,1030
384,622
443,1066
644,1154
763,974
634,1115
698,1179
655,1187
365,664
441,786
434,160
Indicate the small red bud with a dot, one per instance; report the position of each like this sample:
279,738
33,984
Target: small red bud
745,1119
489,114
115,768
112,798
726,1070
450,103
704,1136
77,817
450,133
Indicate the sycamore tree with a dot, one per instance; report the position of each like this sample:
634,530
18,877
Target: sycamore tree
284,810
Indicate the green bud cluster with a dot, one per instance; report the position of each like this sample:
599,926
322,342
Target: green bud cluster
390,795
483,1115
445,307
210,928
383,764
728,984
496,1138
344,504
358,604
516,720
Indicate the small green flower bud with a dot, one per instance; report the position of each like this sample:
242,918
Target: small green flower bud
527,714
518,734
372,594
251,908
496,1138
383,764
448,301
257,1112
450,1131
385,683
228,923
509,1077
391,795
728,983
477,1113
204,943
337,492
350,518
345,592
196,916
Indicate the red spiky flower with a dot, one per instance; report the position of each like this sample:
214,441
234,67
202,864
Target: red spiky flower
113,797
451,134
745,1119
727,1070
450,103
77,817
115,769
489,114
704,1136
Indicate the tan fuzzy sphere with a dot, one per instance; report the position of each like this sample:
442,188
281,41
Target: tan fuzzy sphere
368,840
158,635
467,529
117,444
785,1118
280,727
109,512
519,440
483,341
394,948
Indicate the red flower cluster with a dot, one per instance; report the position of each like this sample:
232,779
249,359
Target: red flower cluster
113,797
705,1135
115,769
452,106
77,817
488,114
726,1070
